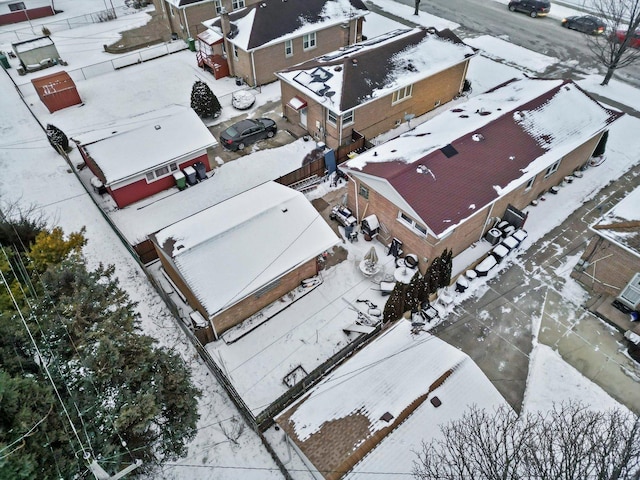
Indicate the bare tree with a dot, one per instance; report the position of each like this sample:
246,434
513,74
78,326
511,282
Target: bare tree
567,443
612,50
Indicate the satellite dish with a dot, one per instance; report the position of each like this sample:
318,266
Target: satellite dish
329,94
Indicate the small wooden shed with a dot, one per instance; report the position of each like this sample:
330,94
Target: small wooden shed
57,91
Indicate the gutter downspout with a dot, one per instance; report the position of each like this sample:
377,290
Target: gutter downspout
253,69
486,220
186,22
355,194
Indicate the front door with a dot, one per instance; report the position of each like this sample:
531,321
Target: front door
303,117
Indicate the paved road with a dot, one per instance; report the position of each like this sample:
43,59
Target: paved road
542,35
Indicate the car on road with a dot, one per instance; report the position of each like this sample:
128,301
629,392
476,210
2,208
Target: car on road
585,24
634,42
533,8
247,131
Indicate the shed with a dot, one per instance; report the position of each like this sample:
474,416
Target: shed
57,91
36,53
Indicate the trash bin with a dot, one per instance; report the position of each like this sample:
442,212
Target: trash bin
190,173
201,170
181,180
4,61
192,44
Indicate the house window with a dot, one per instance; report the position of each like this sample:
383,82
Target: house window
218,5
235,53
332,118
630,294
161,172
171,10
14,7
347,118
288,48
237,4
402,94
309,41
530,183
412,224
363,191
552,169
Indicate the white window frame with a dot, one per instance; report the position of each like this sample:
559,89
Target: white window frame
236,4
332,117
410,223
530,183
402,94
309,41
348,117
153,175
288,48
630,294
552,169
171,11
218,6
363,191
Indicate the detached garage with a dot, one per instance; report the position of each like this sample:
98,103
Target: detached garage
57,91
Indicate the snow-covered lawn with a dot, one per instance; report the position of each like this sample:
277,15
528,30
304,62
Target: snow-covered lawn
310,330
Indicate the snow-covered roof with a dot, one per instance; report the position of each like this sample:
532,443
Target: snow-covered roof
482,149
379,403
255,26
28,45
234,248
186,3
362,72
144,143
624,222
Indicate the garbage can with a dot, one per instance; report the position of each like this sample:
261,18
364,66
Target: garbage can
192,44
190,173
181,180
201,170
4,61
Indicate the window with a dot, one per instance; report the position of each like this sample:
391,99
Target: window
14,7
347,117
171,10
161,172
402,94
530,183
412,224
288,48
332,118
552,169
237,4
309,41
218,5
364,191
630,294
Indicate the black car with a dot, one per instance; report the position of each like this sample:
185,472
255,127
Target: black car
534,8
585,24
241,134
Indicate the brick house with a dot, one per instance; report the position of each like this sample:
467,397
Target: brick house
372,413
273,35
610,264
234,258
446,182
185,17
133,163
373,86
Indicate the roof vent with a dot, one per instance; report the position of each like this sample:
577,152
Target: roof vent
338,68
387,417
354,62
157,127
411,68
262,5
518,115
421,169
285,210
449,151
477,137
512,157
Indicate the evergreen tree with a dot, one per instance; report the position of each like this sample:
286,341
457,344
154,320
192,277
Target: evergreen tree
412,295
128,398
203,100
446,265
433,274
395,307
57,138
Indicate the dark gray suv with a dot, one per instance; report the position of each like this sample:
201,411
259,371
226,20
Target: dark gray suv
534,8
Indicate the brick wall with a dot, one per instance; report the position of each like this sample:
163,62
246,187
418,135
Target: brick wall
252,304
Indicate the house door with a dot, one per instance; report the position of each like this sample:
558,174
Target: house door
303,117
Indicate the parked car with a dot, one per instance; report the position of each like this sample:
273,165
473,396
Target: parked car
248,131
534,8
634,42
585,24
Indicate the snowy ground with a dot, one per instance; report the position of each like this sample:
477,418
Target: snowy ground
310,330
